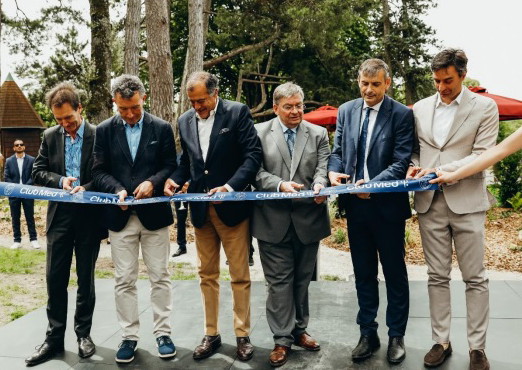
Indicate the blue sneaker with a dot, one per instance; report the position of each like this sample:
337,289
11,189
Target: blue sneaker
126,351
166,349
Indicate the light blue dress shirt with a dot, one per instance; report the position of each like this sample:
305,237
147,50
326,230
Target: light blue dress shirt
73,155
133,135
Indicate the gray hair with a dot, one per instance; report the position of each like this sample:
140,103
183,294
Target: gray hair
211,81
371,67
450,57
126,86
287,90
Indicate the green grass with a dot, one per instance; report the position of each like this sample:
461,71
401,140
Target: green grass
339,236
331,278
20,261
17,313
104,274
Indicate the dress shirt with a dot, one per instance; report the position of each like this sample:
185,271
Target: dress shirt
284,128
73,155
443,118
371,124
20,162
133,134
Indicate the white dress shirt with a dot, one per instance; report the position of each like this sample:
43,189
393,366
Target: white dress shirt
443,118
205,129
20,162
371,124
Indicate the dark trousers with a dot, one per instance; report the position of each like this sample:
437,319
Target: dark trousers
288,267
70,231
16,212
374,237
181,225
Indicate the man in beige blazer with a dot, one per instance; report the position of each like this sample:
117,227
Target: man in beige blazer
453,127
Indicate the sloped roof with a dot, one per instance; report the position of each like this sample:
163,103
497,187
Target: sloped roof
15,109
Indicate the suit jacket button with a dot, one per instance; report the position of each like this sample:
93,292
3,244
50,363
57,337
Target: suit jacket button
206,172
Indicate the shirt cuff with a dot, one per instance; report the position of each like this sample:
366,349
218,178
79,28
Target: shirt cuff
60,183
229,188
279,186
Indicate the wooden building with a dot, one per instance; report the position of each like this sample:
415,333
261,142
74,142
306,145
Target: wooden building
18,120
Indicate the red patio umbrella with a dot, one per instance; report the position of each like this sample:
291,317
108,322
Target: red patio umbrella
325,116
508,109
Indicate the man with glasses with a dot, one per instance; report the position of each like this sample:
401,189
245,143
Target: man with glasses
295,156
221,153
18,169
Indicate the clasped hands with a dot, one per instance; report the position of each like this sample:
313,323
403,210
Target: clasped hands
443,177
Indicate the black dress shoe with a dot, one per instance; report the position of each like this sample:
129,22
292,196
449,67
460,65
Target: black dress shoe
86,347
208,346
396,351
179,252
366,346
245,350
43,353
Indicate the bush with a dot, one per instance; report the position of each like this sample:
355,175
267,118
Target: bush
507,171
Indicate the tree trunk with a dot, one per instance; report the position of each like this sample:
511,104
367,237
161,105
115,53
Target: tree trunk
407,75
159,60
195,49
132,38
100,104
386,40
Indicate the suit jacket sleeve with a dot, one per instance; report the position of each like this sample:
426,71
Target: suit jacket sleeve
251,146
30,167
402,149
323,153
8,175
168,157
101,168
415,155
267,181
182,174
335,163
486,137
42,175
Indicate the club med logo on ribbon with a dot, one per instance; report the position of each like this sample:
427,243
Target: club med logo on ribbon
90,197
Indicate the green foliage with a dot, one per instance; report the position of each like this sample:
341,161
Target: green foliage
332,278
20,261
17,313
516,201
508,171
339,236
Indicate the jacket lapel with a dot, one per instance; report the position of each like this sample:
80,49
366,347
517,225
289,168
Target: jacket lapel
300,143
466,105
355,122
382,119
216,127
146,132
122,139
88,142
279,139
60,149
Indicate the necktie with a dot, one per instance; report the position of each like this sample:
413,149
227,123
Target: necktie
290,141
361,147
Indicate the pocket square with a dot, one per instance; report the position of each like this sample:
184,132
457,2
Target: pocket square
224,130
153,142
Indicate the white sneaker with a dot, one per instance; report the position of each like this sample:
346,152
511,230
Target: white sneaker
16,245
35,244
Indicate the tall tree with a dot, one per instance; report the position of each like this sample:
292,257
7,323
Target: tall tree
386,39
100,104
159,60
132,37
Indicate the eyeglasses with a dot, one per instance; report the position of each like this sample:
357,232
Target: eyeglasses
19,145
290,108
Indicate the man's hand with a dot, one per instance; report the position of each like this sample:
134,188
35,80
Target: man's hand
219,189
77,189
424,172
144,190
317,189
67,182
412,171
122,195
337,178
362,195
170,187
290,187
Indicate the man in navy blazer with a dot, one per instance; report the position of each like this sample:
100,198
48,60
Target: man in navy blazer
373,142
18,169
134,153
221,153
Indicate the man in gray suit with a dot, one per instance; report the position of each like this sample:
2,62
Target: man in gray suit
453,127
295,156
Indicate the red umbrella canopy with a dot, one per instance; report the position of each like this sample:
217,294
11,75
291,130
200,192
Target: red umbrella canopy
323,116
508,109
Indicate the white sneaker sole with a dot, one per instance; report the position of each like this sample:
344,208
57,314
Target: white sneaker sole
120,361
167,355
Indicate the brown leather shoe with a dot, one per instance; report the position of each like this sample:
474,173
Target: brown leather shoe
208,346
437,355
279,355
478,360
245,350
307,342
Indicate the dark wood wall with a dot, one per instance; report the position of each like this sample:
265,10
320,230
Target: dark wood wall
31,138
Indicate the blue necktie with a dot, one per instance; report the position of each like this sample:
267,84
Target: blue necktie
361,147
290,141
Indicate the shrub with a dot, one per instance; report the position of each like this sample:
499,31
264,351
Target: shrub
509,169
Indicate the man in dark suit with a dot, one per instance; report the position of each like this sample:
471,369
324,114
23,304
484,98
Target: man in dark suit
374,141
134,154
64,161
221,153
18,169
295,156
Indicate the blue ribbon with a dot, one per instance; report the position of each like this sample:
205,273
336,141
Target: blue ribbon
90,197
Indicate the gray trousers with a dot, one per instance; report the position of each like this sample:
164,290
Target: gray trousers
288,268
440,227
